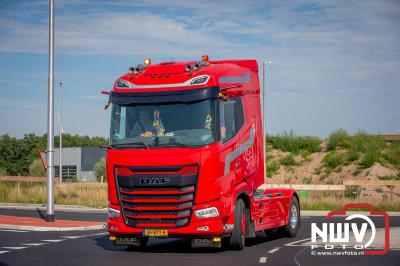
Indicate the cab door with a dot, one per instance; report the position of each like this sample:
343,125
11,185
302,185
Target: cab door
231,123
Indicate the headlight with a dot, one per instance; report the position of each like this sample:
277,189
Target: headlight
123,84
207,213
112,213
199,80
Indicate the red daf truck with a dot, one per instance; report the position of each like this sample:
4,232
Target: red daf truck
187,156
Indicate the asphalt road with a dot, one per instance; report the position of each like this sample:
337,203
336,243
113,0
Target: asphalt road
94,248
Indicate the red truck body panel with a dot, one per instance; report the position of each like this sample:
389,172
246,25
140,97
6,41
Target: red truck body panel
221,172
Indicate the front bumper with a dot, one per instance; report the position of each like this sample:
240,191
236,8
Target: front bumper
215,226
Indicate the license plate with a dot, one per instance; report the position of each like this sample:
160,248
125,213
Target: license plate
156,232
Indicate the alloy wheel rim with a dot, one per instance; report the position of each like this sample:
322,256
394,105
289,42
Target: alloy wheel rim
293,217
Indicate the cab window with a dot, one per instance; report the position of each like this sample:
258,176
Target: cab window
231,118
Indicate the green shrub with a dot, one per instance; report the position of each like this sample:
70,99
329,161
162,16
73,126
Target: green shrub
272,168
389,177
369,159
100,170
36,168
338,139
288,160
352,191
317,170
356,172
290,142
392,154
333,160
307,180
363,142
352,155
3,172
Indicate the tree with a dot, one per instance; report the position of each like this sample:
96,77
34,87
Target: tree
100,169
36,168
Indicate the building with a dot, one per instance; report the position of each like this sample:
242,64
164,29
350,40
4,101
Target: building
78,162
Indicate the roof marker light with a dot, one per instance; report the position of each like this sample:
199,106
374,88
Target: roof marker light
147,61
195,66
133,70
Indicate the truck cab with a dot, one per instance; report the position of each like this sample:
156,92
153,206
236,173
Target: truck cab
186,156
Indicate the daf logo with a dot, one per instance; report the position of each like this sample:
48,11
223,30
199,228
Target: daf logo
155,180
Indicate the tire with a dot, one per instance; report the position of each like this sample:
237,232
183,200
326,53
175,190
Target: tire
290,230
237,239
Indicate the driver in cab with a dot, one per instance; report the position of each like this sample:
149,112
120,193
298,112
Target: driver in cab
143,126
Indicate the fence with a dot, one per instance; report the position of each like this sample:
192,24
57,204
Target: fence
301,187
40,179
346,183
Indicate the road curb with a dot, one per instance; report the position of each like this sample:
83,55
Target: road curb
51,229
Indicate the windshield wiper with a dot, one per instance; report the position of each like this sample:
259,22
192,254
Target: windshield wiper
127,144
178,144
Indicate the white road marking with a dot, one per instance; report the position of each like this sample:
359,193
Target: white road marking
98,234
3,251
71,237
273,250
263,259
12,230
296,257
14,247
34,244
54,240
298,241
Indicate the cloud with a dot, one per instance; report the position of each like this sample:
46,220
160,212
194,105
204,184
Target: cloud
336,62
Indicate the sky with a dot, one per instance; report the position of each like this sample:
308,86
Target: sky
336,64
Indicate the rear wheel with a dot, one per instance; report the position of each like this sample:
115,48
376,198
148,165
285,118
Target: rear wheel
237,239
292,226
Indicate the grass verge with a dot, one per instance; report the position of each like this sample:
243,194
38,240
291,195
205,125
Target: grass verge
90,195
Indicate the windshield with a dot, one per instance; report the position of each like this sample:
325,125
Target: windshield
163,125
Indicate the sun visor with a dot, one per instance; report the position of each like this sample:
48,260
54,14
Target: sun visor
128,98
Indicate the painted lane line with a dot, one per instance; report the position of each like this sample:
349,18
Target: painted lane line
273,250
71,237
14,247
34,244
296,259
298,241
3,251
263,259
54,240
11,230
97,234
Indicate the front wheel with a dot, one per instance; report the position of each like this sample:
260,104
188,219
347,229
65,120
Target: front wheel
294,218
237,239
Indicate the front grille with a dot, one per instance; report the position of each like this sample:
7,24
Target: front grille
156,197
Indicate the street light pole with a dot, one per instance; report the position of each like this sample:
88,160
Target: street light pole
263,100
50,120
264,120
61,132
